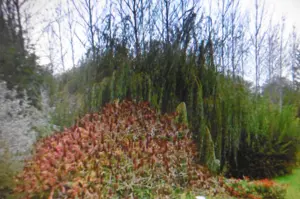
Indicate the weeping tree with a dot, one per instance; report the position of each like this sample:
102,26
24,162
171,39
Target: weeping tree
177,64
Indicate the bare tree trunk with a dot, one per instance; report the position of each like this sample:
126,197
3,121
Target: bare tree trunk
91,28
257,28
258,43
167,7
21,39
223,36
234,24
136,8
50,48
89,23
294,57
281,63
59,35
71,34
135,29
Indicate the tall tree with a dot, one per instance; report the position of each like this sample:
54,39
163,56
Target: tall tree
18,4
237,28
59,34
225,33
272,48
281,59
18,65
296,70
295,58
71,31
258,40
86,9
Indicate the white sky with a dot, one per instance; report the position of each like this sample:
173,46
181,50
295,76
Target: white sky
289,8
45,9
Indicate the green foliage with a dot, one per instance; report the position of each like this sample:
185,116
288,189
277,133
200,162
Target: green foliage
100,93
8,168
19,68
182,114
209,154
51,86
269,148
43,131
298,157
67,109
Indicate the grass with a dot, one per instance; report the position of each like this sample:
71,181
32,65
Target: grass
293,180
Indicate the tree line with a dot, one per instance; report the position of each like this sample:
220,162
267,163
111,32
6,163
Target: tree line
243,40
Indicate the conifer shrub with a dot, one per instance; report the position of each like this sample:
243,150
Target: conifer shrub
127,150
268,146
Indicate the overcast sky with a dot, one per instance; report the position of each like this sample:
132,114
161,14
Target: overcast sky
44,12
289,8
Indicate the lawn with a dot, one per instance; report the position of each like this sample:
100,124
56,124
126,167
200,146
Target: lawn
293,180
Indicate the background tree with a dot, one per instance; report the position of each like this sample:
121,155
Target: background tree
71,31
257,39
272,49
296,69
18,65
59,33
86,10
281,58
294,57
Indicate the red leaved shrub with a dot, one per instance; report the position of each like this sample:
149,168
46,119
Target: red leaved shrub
259,189
125,149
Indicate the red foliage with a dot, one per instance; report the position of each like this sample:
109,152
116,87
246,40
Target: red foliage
258,189
265,182
128,145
